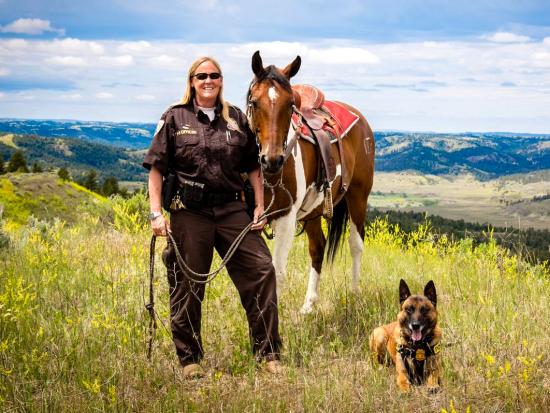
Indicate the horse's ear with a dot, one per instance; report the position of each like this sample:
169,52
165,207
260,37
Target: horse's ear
404,291
257,64
292,68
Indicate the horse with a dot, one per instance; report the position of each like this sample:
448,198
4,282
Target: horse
291,168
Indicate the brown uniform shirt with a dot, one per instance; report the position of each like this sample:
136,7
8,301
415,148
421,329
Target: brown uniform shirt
212,153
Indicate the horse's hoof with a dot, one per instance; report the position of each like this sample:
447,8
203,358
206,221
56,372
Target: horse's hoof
306,309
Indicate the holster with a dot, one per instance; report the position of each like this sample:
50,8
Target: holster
169,189
249,198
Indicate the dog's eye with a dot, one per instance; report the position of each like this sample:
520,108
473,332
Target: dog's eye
409,310
424,310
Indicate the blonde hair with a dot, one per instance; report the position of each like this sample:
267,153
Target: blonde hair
189,93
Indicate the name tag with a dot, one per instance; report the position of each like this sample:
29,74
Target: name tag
186,132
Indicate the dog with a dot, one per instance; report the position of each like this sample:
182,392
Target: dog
413,341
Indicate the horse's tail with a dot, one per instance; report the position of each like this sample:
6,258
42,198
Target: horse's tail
336,227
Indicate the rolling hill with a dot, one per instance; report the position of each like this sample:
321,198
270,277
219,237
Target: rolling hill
77,155
485,155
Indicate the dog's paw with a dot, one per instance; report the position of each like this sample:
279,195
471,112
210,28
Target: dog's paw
434,389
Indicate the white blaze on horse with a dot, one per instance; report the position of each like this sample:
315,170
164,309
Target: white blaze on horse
294,127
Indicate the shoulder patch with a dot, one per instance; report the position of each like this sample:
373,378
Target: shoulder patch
159,127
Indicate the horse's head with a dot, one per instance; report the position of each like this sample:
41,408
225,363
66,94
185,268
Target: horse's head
269,109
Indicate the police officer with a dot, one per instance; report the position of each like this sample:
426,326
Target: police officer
208,145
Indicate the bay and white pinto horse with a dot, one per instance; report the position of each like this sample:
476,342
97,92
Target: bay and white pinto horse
288,159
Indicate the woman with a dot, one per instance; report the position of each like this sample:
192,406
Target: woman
208,144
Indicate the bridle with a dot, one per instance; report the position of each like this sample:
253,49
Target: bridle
288,145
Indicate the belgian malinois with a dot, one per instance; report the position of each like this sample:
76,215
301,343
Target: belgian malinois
413,341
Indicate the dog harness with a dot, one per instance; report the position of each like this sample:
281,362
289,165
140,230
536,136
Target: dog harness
417,353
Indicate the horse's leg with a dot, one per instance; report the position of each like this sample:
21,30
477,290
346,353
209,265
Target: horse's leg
356,199
317,242
284,229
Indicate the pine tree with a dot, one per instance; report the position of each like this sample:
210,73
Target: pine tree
64,174
90,181
2,169
17,162
36,167
110,186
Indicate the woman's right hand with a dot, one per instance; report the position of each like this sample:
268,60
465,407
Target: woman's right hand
160,226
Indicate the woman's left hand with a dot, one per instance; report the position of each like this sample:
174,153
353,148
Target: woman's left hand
258,225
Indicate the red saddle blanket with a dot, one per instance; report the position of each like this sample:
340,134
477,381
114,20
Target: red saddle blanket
332,117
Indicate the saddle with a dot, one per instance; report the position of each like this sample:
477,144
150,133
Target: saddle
326,122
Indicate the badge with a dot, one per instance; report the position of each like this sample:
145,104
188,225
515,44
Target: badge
420,355
159,126
437,348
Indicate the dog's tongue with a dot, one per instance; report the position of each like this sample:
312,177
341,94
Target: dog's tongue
416,335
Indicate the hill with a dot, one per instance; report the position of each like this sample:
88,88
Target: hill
77,155
485,155
124,135
45,197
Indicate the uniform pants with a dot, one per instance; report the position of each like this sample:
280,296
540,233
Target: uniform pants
197,233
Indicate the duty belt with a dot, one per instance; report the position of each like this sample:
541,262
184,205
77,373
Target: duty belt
195,196
217,199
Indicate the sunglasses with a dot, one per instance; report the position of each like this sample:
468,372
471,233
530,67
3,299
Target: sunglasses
204,76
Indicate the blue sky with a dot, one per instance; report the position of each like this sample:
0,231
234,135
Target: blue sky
407,65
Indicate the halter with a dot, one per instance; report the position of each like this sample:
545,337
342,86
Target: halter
287,145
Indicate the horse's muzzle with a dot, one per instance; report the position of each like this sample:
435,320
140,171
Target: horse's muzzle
271,164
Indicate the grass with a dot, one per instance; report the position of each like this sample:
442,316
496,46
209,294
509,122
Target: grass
73,328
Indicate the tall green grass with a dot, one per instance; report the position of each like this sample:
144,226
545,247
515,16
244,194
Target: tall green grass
73,328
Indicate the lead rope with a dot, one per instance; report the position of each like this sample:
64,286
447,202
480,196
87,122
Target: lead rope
150,306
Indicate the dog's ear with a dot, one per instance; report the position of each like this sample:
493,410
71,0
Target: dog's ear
430,293
404,291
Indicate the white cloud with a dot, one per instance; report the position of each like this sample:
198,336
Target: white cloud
134,47
341,56
4,71
124,60
506,37
71,46
104,95
67,61
145,98
541,59
461,80
2,95
71,96
31,26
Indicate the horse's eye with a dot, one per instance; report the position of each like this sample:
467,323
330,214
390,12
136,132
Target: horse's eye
253,104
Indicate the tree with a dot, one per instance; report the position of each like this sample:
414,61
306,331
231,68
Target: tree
90,181
2,169
17,162
110,186
64,174
36,167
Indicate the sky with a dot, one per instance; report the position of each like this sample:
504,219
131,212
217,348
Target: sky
441,66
